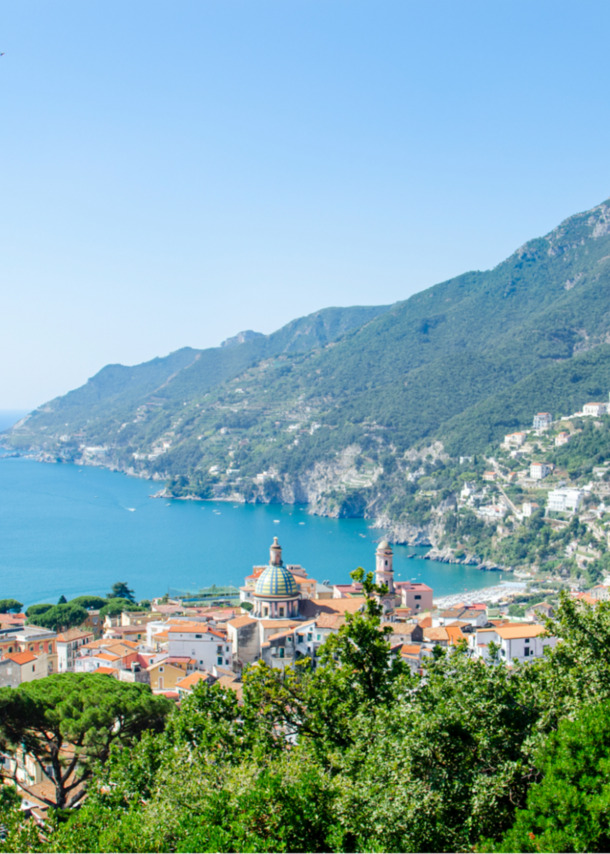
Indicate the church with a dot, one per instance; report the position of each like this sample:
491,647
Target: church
290,615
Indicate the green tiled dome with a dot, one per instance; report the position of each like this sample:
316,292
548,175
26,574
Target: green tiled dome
276,581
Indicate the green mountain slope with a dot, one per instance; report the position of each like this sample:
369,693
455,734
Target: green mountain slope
332,402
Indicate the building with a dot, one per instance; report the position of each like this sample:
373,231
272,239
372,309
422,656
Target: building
166,673
207,646
68,644
415,596
517,642
562,439
515,440
18,667
595,409
538,471
564,500
276,593
542,421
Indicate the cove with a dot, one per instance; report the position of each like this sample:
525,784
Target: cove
67,529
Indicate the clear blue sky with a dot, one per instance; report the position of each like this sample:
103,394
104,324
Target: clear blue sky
174,172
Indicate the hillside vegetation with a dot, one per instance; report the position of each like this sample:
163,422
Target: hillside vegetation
324,410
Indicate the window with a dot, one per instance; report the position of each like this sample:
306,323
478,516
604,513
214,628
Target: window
160,670
417,596
526,651
281,652
198,637
281,611
219,660
527,640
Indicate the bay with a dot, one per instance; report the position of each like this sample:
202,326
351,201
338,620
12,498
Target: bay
67,529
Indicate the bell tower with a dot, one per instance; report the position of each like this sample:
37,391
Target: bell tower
275,553
384,570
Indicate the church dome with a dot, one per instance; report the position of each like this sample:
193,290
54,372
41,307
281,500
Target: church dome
276,581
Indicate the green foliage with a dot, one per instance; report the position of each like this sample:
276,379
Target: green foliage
89,602
69,721
120,590
35,610
569,809
59,617
352,753
8,606
114,607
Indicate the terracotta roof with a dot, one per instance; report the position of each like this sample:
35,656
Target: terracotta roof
455,634
410,649
514,632
72,635
21,657
106,656
425,622
238,622
192,679
436,634
107,671
330,621
95,644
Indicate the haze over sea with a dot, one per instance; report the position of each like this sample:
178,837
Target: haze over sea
67,529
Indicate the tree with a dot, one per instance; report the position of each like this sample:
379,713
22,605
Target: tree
89,602
114,607
35,610
67,722
62,600
10,605
569,809
59,618
120,590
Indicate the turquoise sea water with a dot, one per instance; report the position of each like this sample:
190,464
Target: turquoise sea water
69,530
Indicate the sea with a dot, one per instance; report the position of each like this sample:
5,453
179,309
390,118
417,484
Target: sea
69,530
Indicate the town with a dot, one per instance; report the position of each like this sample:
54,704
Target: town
283,616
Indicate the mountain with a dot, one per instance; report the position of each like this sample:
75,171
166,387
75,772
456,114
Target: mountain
327,409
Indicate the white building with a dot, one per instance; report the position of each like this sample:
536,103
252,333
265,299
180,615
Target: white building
518,643
68,643
595,409
562,439
538,471
542,421
565,500
208,646
515,440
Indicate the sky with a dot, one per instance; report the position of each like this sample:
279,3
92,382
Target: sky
174,172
